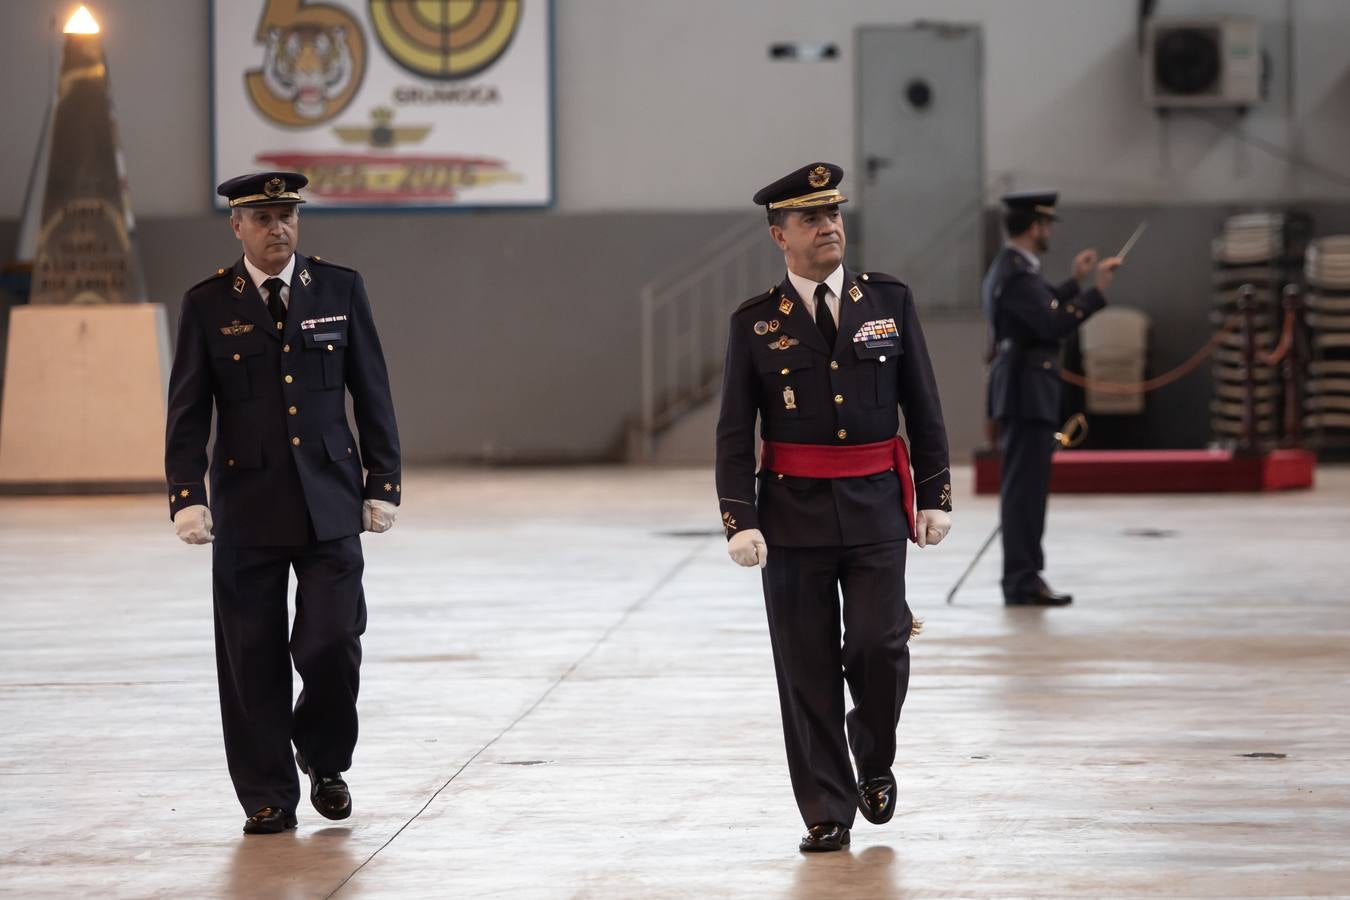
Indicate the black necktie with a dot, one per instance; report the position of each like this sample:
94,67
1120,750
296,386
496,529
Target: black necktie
825,321
274,304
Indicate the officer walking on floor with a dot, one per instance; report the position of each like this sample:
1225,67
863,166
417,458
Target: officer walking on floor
1030,318
274,344
826,360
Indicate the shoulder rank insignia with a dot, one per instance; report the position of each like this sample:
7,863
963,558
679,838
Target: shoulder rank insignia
239,284
785,306
236,328
855,293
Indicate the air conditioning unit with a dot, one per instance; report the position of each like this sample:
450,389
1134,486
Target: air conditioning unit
1202,63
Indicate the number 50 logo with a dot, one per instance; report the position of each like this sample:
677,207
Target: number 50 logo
315,53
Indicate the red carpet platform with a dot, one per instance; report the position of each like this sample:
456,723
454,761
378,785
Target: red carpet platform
1163,471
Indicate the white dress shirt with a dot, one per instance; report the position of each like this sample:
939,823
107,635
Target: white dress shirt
259,276
806,289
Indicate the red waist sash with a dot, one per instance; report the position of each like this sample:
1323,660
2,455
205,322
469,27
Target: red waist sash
825,461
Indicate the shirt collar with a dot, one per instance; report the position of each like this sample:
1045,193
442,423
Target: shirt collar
259,276
806,288
1028,256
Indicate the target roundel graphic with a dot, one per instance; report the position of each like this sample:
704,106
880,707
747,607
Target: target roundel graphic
445,39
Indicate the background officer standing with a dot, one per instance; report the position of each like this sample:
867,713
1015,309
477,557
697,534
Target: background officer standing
274,343
1030,318
825,360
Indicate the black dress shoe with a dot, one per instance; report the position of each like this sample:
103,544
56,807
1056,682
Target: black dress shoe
876,798
269,820
1041,596
328,793
825,837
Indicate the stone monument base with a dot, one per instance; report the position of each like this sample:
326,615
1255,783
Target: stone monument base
84,399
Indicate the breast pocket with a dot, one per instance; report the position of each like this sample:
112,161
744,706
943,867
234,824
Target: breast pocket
783,376
878,374
325,355
237,362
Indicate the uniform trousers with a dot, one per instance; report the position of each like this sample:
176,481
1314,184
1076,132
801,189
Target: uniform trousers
254,656
1027,447
814,660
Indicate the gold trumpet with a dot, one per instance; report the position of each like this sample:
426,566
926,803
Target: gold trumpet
1073,432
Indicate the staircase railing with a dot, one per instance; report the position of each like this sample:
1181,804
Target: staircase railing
684,326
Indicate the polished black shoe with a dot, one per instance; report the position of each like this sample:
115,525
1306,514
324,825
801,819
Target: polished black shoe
825,837
876,798
328,793
1041,596
269,820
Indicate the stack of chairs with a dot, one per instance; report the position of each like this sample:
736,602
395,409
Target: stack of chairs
1256,249
1327,402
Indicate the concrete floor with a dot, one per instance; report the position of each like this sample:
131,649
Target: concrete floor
566,696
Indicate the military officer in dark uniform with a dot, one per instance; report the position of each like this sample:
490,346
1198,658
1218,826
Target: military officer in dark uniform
1030,318
826,360
273,345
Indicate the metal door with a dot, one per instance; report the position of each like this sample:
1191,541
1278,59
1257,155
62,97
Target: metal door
921,158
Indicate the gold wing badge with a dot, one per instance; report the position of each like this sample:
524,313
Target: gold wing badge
236,328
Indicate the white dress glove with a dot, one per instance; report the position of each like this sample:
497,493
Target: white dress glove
193,524
747,548
377,516
932,526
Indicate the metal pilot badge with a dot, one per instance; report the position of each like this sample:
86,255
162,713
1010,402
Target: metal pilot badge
236,328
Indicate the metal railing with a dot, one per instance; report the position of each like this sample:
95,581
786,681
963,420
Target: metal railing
684,326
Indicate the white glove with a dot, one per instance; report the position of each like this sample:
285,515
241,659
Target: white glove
193,524
747,548
377,516
932,526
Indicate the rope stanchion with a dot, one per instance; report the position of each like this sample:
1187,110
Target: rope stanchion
1127,388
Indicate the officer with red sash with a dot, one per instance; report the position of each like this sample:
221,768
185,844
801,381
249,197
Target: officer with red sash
826,361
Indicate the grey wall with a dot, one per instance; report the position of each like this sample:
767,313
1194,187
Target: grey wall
509,337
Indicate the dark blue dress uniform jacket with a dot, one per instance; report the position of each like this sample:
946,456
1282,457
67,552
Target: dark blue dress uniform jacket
1030,318
848,394
285,458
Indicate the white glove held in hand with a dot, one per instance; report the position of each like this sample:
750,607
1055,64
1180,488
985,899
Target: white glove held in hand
747,548
193,524
932,526
377,516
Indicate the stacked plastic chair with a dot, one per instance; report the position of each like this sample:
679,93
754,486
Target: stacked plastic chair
1327,400
1260,250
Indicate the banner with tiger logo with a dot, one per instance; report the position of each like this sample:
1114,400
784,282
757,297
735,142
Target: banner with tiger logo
388,103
